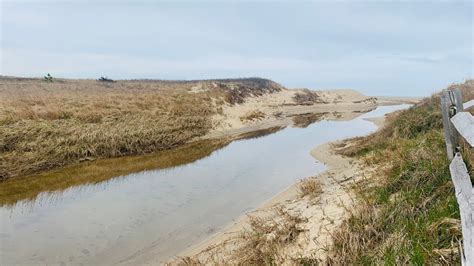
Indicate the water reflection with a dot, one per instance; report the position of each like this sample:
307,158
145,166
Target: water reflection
50,185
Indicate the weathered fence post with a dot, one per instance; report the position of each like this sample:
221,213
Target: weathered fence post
456,96
458,100
449,134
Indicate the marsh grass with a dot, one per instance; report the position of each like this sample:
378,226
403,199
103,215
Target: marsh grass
409,215
47,125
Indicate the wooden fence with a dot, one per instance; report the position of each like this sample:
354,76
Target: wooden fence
457,124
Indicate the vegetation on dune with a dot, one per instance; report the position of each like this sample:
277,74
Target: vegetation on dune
46,125
307,97
408,214
264,242
252,115
236,91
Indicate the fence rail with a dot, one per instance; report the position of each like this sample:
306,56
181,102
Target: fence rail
468,104
459,124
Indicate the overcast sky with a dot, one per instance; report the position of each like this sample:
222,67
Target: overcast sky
389,48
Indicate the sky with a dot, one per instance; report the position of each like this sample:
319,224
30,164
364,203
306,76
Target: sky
379,48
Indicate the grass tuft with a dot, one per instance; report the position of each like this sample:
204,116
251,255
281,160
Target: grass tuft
252,116
310,187
263,243
307,97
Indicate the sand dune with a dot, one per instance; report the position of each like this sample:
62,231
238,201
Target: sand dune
278,108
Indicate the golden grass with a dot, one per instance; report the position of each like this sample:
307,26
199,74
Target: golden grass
252,116
46,125
310,187
264,242
307,97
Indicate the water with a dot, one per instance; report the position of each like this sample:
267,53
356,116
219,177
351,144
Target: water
156,214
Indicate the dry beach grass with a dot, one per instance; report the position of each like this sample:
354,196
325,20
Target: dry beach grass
46,125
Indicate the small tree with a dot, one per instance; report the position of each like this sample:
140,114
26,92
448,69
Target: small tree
48,78
105,79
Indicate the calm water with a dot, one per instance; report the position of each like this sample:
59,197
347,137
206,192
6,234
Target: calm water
157,214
